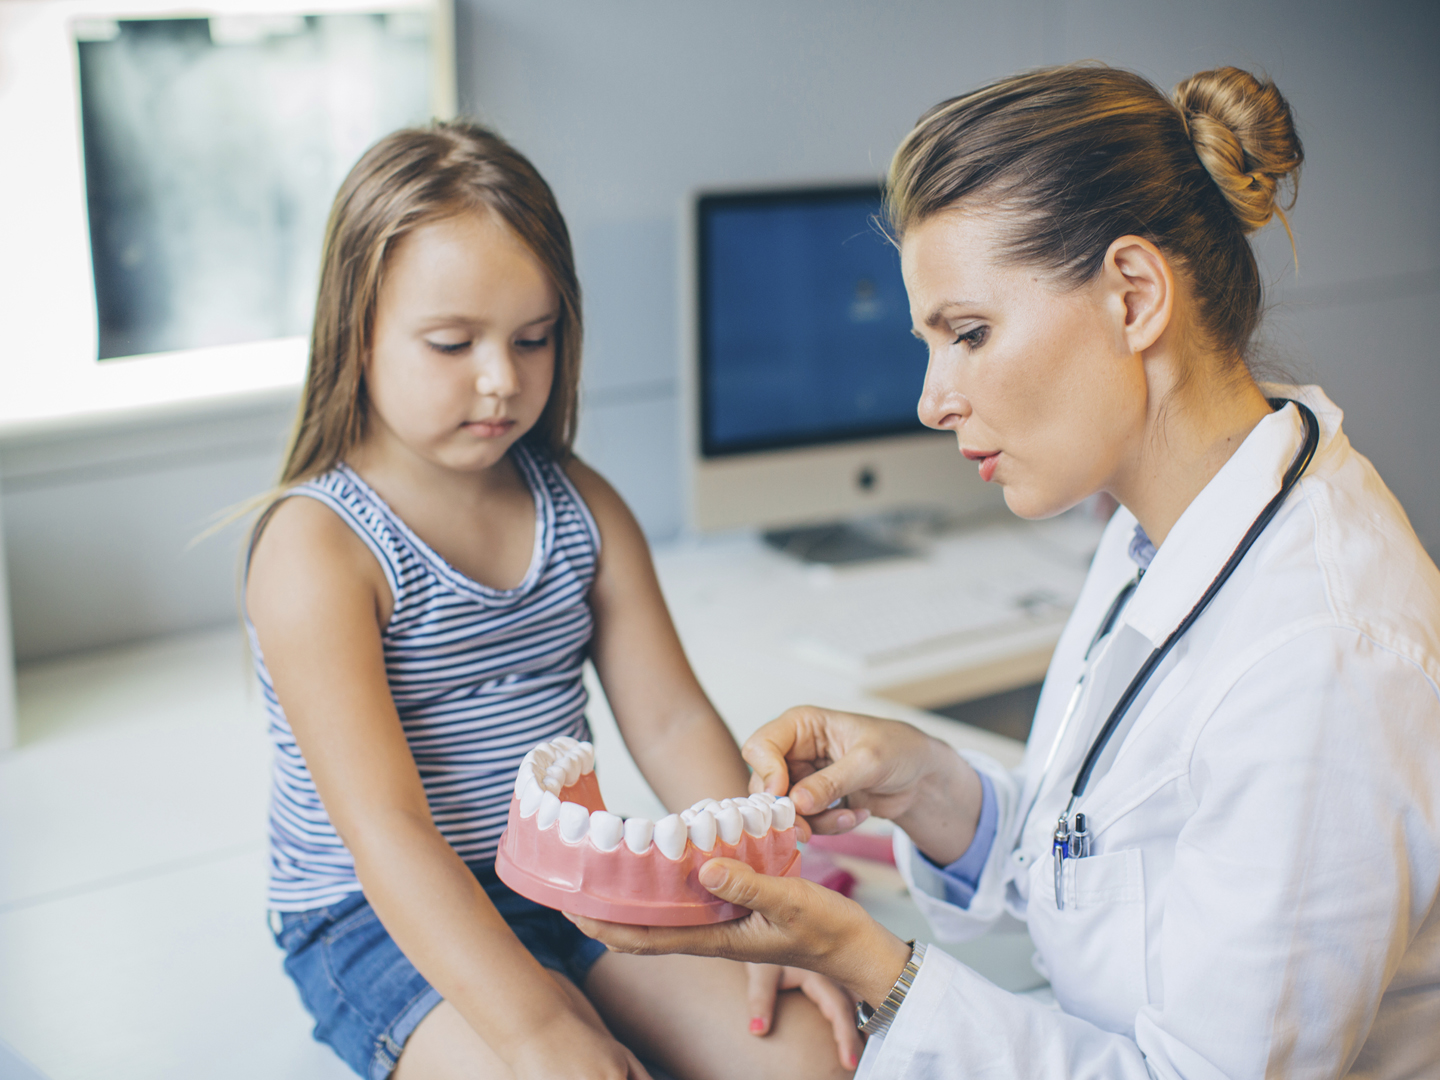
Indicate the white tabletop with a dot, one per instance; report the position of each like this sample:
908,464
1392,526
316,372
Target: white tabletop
741,609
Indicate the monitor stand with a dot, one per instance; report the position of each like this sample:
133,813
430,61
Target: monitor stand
835,545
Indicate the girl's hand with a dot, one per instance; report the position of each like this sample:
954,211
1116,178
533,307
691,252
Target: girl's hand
820,757
792,921
569,1047
766,982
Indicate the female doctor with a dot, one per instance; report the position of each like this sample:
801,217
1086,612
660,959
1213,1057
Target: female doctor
1225,835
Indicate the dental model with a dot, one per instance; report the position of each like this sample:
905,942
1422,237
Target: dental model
563,849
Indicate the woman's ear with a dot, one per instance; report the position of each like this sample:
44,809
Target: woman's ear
1142,290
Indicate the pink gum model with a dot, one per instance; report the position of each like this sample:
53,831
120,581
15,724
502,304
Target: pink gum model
621,886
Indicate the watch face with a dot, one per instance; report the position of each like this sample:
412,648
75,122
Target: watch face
863,1013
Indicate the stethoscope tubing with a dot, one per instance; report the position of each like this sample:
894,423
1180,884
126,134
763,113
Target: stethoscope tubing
1292,476
1297,468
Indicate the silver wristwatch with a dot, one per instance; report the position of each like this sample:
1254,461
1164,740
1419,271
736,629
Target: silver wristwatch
872,1022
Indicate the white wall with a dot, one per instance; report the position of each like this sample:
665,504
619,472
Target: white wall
625,106
102,531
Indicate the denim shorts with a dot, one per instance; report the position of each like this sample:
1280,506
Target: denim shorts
367,998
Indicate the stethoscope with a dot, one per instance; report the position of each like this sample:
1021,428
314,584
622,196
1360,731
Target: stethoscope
1072,839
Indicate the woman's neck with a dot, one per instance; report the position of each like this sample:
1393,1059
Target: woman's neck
1190,433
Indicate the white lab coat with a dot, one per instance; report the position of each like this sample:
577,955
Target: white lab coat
1261,897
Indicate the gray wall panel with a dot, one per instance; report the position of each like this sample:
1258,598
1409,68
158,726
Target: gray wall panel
628,274
625,107
113,557
1377,359
631,442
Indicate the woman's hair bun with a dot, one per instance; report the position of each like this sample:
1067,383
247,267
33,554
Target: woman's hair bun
1244,134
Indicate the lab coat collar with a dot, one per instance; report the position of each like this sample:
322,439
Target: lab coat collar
1213,524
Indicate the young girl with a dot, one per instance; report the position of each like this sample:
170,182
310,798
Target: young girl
420,620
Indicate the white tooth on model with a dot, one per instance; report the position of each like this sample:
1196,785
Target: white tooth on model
727,820
766,815
638,831
549,810
705,804
564,743
587,757
542,755
574,822
763,796
606,830
555,774
670,836
688,816
529,777
573,766
753,818
530,801
703,830
784,813
729,802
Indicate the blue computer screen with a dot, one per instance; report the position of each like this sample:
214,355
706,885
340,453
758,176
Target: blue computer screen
804,324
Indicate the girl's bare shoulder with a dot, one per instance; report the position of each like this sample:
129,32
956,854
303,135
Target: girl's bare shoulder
305,557
609,510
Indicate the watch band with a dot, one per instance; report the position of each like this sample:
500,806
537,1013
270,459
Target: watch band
875,1022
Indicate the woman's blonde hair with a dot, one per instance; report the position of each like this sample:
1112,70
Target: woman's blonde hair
406,180
1080,155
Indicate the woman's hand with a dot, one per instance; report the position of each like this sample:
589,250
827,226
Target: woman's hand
792,922
819,757
766,982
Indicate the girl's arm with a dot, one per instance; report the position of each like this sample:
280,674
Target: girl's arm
678,740
318,600
683,748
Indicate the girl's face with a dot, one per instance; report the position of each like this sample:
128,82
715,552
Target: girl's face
464,343
1037,382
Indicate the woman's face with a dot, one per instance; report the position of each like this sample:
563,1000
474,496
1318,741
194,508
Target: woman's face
464,343
1037,382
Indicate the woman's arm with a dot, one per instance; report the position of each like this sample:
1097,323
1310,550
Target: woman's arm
792,921
1299,903
819,756
318,600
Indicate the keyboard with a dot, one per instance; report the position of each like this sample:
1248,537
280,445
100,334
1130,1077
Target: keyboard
869,618
886,629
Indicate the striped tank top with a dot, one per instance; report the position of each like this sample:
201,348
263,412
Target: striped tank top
478,675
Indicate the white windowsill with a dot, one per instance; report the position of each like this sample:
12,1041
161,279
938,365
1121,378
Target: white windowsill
135,392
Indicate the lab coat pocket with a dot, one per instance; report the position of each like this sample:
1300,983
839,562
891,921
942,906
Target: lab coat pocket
1093,950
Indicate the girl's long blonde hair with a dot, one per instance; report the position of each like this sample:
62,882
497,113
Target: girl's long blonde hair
408,179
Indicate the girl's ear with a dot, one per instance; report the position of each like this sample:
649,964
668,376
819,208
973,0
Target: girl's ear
1141,291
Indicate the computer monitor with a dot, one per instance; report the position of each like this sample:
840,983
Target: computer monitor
801,372
168,171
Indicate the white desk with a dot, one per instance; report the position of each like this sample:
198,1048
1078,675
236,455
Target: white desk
138,425
739,605
146,922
